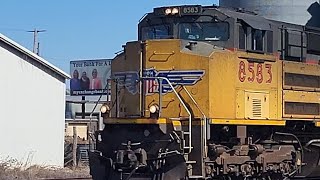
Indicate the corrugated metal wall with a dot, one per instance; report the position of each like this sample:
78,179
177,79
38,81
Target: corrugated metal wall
291,11
32,112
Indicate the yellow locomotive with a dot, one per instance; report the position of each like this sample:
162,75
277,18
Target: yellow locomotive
212,93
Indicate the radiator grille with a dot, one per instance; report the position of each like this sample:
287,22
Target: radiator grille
257,105
256,108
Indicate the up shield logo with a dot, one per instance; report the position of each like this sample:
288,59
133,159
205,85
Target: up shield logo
130,80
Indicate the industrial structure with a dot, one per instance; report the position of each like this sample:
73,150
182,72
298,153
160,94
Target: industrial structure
209,92
32,106
291,11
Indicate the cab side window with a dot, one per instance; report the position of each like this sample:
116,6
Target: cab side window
257,40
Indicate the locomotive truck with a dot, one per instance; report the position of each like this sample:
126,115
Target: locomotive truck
208,92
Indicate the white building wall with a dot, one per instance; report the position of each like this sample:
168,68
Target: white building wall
32,112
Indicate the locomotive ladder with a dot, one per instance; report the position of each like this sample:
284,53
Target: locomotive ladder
195,160
204,120
188,147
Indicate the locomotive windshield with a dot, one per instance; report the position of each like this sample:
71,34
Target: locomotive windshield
204,31
156,32
184,22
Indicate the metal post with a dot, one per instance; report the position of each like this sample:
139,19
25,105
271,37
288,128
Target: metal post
74,147
160,96
83,108
117,99
242,134
35,40
107,89
141,107
282,44
286,44
301,50
90,137
35,33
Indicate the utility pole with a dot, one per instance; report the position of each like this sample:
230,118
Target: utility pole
35,40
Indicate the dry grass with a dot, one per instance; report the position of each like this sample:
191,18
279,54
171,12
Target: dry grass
11,169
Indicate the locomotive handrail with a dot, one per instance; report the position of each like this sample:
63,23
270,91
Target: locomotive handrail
143,17
181,101
194,101
204,118
312,141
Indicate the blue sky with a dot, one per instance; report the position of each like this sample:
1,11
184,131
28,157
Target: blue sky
78,29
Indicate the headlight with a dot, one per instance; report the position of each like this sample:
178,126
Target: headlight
153,108
175,11
167,11
104,108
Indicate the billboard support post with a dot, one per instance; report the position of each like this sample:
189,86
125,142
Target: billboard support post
83,107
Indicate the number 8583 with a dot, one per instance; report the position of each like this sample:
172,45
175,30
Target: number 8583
253,73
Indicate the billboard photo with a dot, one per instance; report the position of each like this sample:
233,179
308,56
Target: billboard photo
89,77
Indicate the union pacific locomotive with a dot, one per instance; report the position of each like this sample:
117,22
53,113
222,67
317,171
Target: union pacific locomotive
212,93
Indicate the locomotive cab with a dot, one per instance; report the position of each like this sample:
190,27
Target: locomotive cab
234,29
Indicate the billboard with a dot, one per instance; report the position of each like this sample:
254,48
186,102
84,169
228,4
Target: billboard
90,77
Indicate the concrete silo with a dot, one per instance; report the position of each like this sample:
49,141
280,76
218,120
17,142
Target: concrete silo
291,11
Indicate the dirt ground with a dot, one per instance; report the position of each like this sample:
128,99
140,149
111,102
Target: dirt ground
7,172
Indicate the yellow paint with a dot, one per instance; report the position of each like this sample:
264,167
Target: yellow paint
248,122
228,93
194,122
175,59
233,84
141,121
256,56
301,68
176,123
301,96
317,123
128,103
